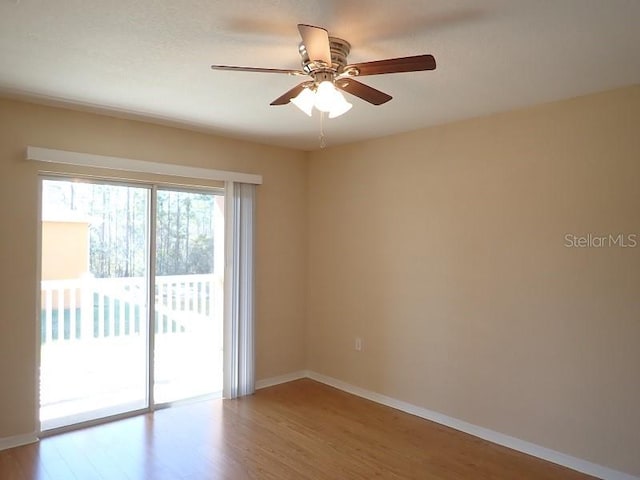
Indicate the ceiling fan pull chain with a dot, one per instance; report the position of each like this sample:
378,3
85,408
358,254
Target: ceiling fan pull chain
323,143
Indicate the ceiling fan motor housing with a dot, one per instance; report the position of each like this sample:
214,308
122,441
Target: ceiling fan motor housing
339,51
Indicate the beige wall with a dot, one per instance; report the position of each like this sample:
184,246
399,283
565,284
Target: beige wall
444,249
281,233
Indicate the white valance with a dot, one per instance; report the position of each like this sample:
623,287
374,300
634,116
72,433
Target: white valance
141,166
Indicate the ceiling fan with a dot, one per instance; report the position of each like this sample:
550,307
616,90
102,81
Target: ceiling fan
324,59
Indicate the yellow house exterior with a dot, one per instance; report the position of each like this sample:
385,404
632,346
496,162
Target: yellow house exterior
65,252
65,249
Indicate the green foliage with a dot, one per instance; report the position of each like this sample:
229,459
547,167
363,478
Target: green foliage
184,230
118,217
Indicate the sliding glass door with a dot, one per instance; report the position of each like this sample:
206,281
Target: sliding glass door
94,271
98,356
189,265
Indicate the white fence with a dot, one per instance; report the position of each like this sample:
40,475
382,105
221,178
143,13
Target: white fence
110,307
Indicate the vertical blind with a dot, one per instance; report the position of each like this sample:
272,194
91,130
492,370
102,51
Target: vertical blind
239,374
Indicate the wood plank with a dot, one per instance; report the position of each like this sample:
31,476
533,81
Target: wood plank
299,430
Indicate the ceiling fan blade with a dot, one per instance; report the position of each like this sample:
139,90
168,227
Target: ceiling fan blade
257,69
394,65
363,91
287,96
316,41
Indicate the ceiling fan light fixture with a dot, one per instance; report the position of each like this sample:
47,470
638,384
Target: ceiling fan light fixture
325,97
305,101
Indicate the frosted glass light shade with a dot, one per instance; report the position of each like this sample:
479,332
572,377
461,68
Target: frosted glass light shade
326,96
305,101
340,106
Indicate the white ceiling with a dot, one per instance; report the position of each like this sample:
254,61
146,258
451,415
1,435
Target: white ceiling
151,59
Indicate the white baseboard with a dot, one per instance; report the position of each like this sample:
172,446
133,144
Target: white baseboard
529,448
289,377
18,440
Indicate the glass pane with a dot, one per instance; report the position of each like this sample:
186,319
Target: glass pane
188,306
93,301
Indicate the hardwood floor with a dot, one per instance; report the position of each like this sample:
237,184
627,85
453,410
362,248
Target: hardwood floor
299,430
